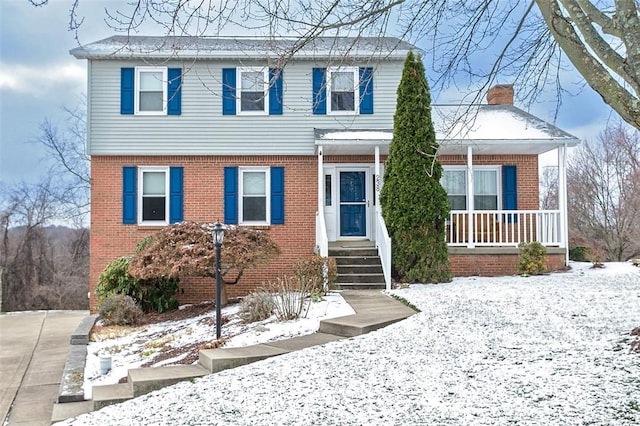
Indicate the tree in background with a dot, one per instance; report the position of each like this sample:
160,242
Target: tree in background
186,249
45,266
414,204
603,179
468,41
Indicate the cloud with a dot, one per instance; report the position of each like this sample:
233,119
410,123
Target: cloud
38,80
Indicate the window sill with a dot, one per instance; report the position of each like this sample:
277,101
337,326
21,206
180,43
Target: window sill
264,227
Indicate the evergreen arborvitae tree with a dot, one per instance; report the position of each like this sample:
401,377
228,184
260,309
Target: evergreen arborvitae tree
414,204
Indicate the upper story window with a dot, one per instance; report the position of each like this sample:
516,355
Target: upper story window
154,197
342,90
342,85
486,187
253,93
151,92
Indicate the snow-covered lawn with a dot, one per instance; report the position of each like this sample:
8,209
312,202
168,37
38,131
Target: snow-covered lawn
546,350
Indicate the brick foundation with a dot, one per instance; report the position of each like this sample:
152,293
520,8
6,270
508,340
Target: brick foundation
490,262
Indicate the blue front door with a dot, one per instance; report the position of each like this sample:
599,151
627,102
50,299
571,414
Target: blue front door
353,204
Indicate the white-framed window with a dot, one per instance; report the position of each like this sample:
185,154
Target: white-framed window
153,195
255,203
151,90
253,90
343,90
486,187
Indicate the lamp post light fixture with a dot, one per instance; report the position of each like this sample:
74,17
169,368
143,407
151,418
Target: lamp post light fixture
218,238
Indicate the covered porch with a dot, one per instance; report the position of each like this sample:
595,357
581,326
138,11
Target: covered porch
485,220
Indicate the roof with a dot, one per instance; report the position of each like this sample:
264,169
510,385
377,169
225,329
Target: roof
118,47
489,129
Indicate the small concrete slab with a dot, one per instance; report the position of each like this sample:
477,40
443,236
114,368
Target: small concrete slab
80,335
71,409
215,360
145,380
302,342
105,395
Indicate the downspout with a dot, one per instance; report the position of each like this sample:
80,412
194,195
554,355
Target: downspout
320,180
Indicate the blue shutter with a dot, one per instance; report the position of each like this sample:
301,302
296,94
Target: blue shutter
231,195
127,79
510,191
228,91
319,91
129,186
277,195
366,90
176,202
275,91
174,91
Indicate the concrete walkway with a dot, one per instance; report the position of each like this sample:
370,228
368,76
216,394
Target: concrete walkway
33,350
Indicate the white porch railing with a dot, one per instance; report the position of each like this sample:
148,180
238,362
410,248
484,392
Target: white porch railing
322,241
504,228
383,242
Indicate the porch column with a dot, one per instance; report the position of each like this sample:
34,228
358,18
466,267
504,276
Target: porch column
470,192
320,181
562,200
377,179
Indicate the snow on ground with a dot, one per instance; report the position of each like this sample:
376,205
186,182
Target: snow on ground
546,350
135,348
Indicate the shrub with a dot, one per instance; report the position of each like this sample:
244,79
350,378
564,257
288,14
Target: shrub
578,253
118,309
596,256
256,306
289,298
532,258
309,272
156,294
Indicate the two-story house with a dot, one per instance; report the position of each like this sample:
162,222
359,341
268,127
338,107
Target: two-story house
292,140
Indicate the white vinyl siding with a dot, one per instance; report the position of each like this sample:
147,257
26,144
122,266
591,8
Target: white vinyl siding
201,129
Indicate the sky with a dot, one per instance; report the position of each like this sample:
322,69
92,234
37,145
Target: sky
38,78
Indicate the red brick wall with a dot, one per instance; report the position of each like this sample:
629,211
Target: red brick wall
203,195
526,170
492,264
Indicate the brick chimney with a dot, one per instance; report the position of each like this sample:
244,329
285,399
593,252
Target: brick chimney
500,94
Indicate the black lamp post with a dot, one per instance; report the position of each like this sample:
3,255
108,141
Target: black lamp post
218,238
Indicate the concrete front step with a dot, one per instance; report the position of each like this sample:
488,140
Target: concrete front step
359,269
68,410
355,325
360,278
350,252
356,260
220,359
359,286
106,395
145,380
141,381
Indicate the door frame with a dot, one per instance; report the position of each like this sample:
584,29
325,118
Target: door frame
369,194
